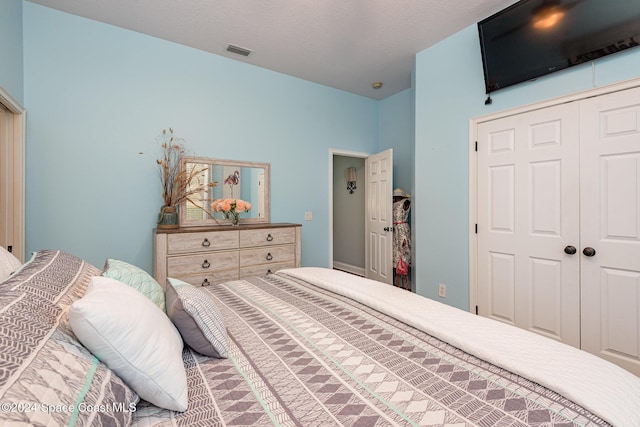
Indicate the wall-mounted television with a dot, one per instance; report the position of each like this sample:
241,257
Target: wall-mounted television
532,38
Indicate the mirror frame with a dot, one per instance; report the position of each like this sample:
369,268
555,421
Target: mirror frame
184,222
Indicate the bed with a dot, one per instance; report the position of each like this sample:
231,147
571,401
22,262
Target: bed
306,347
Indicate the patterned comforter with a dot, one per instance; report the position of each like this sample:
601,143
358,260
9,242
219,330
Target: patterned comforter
47,378
301,355
307,347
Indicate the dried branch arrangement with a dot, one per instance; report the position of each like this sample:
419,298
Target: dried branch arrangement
178,183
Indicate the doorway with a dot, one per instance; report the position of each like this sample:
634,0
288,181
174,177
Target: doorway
360,228
12,125
347,213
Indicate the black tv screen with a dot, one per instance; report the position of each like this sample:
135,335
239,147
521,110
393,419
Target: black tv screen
536,37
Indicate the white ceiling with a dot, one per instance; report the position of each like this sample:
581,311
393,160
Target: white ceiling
345,44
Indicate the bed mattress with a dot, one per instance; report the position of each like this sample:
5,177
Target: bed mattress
314,347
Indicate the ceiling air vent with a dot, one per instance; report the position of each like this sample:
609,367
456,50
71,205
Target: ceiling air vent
239,50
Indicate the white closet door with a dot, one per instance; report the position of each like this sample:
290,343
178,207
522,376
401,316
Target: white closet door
610,225
528,213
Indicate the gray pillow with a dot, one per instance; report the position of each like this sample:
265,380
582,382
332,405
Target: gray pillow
194,312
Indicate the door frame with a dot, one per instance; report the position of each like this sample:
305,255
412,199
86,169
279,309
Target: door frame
473,169
18,178
345,153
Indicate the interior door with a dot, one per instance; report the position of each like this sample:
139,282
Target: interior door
378,225
6,173
528,222
11,175
610,227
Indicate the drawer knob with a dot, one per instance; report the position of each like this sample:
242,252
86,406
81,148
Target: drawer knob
269,237
269,272
206,264
206,282
269,256
206,243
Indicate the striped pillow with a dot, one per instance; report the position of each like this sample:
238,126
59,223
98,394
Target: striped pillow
137,278
195,314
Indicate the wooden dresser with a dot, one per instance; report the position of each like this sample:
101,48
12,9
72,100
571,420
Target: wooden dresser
207,255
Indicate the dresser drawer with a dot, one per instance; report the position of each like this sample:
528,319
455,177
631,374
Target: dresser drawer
202,263
210,278
217,254
267,255
202,242
267,237
264,269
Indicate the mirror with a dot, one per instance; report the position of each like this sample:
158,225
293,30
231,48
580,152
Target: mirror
221,179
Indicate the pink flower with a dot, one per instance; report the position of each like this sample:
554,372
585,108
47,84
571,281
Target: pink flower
216,205
230,206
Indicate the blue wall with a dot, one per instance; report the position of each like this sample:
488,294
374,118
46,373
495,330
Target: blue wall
97,96
449,91
395,130
11,71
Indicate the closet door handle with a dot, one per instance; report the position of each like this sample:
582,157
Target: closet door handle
570,250
589,251
388,229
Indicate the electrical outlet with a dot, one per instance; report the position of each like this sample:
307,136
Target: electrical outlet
308,216
442,290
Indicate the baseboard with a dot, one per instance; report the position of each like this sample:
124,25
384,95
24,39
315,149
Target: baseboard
359,271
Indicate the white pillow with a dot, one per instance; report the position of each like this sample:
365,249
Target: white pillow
134,338
8,263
